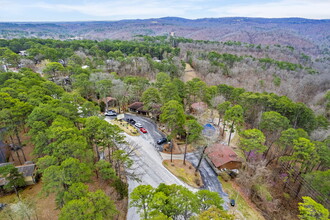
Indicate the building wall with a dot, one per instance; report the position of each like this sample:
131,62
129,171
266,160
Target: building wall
231,165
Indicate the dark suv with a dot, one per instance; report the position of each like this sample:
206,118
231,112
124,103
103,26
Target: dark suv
131,121
162,141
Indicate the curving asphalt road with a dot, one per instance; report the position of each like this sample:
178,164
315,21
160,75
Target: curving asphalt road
148,163
210,178
153,134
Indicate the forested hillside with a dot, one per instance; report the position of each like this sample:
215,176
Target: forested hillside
275,98
312,36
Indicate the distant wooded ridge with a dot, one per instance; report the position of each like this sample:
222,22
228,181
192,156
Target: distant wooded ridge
311,36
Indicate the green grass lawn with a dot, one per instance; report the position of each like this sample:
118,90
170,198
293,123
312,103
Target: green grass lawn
241,205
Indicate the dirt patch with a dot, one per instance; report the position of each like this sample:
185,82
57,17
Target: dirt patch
45,205
18,158
186,173
178,148
189,73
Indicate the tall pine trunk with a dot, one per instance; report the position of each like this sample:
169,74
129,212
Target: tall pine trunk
231,131
185,151
200,159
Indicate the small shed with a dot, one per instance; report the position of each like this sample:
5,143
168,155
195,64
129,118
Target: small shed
112,102
223,157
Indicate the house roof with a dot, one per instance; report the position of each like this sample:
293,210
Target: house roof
26,169
108,99
5,164
221,154
199,105
136,105
141,109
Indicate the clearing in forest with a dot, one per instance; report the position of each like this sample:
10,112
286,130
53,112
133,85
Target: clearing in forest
189,73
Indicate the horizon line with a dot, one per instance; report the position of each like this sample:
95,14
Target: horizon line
132,19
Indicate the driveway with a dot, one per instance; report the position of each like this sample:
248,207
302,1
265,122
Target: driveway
210,178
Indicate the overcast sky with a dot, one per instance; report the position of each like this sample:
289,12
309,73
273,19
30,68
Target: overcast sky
87,10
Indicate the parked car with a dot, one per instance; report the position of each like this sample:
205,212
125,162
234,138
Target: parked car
138,125
2,205
143,130
111,113
232,202
130,120
162,141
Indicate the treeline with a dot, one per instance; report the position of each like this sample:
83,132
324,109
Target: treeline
127,57
55,50
274,136
68,137
276,68
177,202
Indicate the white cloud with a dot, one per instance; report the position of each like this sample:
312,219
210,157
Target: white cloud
316,9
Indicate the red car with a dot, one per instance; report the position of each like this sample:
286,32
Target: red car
143,130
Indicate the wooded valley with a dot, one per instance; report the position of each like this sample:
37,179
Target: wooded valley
275,99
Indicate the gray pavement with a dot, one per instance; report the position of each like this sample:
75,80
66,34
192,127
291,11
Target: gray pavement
210,178
148,163
153,133
148,166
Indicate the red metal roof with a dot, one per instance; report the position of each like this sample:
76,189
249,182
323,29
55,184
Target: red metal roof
221,154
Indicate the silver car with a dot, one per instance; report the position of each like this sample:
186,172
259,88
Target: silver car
138,125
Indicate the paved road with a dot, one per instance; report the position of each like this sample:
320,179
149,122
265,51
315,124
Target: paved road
148,164
210,178
147,161
153,133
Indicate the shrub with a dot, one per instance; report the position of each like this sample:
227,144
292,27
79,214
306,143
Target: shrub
121,187
224,176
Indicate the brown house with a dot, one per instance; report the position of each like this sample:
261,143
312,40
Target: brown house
223,157
28,171
112,102
137,107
